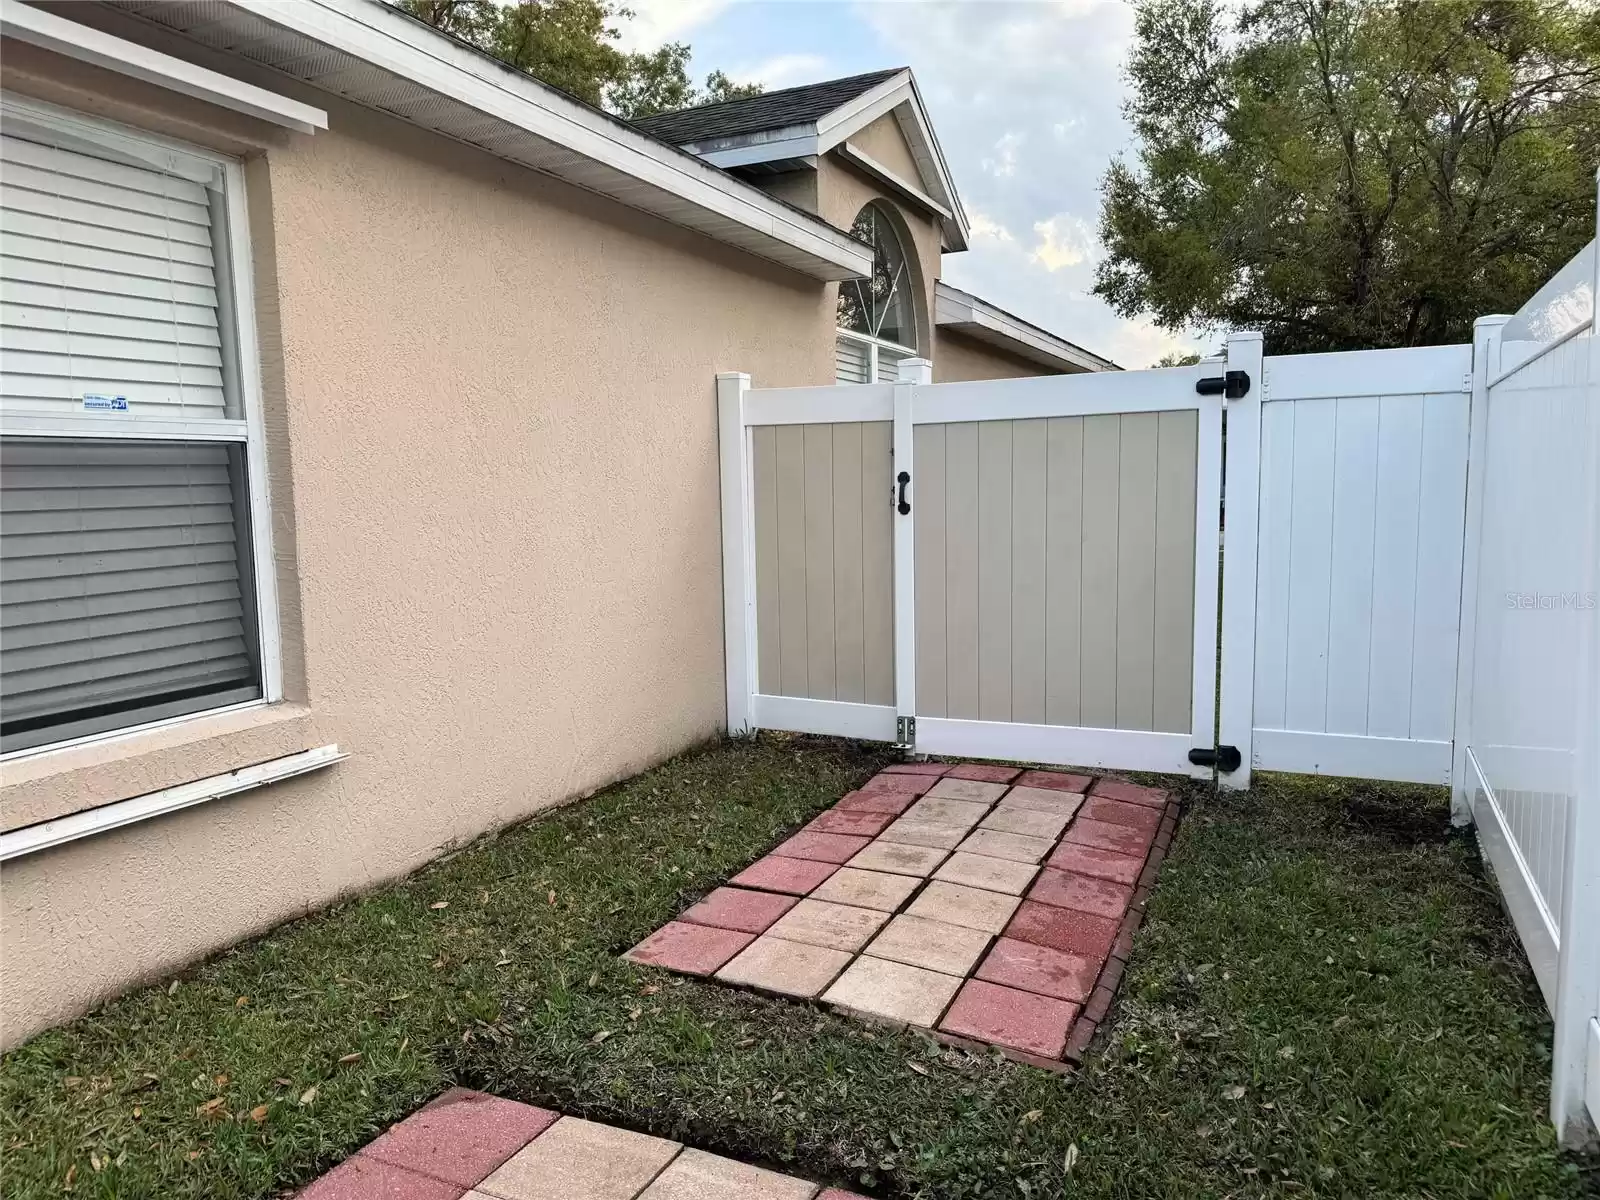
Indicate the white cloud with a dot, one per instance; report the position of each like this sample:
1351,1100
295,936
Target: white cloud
656,22
985,228
783,71
1064,241
1002,161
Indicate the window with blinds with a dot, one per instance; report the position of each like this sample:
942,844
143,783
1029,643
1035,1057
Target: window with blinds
127,581
852,361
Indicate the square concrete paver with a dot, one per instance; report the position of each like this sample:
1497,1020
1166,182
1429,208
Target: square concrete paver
893,803
1124,839
823,847
790,968
924,833
972,908
1060,804
1015,846
900,858
968,789
1032,968
1091,860
991,874
822,923
738,908
461,1136
939,811
983,772
1067,889
580,1160
856,821
363,1178
935,945
1026,822
696,1175
1008,1017
867,889
774,873
918,768
1119,812
894,990
913,785
1059,781
1130,793
1063,929
692,949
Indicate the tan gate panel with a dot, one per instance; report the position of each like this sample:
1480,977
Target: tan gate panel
824,561
1055,570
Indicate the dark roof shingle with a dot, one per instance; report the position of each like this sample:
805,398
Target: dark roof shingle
770,110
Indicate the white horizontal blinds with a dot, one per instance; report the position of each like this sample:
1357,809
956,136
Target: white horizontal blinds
852,361
121,597
108,289
889,363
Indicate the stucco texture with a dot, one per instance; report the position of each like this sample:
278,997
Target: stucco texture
492,429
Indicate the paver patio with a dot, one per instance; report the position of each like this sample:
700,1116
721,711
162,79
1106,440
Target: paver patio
982,903
470,1146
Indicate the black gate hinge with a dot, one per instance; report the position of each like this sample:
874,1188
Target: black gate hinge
1223,758
1233,385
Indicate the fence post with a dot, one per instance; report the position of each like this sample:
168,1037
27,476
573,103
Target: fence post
1486,332
909,373
1241,491
1575,1051
738,550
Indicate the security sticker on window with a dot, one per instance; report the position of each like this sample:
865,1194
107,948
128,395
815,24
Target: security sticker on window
94,402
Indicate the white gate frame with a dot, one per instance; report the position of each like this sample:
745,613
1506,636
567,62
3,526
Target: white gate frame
914,400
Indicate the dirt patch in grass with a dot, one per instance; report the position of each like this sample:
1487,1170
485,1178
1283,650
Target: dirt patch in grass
1316,1007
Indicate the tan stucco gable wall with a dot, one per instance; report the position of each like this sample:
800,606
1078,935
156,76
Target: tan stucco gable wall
957,359
495,486
883,142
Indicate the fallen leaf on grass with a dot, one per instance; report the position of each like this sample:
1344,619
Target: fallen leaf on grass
1070,1160
241,1002
1028,1118
551,897
173,988
346,1059
210,1108
601,1036
96,1162
1236,1092
918,1068
307,1096
440,904
72,1175
258,1114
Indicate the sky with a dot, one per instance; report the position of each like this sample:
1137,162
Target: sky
1025,97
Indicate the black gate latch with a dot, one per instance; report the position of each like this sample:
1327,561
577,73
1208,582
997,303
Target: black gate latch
1223,758
1233,385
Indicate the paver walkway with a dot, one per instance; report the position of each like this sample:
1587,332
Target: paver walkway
474,1146
980,903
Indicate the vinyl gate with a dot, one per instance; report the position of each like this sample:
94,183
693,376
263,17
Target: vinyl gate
1021,568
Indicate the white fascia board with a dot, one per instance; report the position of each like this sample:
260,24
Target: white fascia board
110,53
965,313
770,150
47,834
852,153
407,49
899,95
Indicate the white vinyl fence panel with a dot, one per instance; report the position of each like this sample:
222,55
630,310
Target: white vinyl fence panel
1363,461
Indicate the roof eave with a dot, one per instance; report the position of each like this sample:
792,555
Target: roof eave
962,312
454,90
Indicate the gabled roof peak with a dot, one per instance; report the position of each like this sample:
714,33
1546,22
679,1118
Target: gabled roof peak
804,104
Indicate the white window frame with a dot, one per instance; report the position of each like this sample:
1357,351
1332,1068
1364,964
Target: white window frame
873,344
181,158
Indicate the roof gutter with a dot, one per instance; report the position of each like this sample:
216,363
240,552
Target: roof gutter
455,90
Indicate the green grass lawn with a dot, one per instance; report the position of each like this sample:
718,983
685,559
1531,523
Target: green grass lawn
1325,1000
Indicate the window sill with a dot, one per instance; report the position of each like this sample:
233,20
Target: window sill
52,784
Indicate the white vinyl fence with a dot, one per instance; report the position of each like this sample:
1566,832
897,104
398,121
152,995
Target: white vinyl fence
1027,569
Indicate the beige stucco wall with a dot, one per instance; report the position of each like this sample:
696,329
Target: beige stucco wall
957,358
882,141
492,431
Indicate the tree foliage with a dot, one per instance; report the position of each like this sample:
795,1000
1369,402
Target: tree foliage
571,44
1344,175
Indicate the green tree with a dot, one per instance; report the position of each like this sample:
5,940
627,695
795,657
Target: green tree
1343,175
571,44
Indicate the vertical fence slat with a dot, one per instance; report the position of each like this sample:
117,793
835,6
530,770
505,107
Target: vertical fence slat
994,570
1028,462
849,598
1177,451
1098,647
768,620
1063,531
932,636
790,448
1136,571
961,569
1306,688
877,561
819,561
1394,570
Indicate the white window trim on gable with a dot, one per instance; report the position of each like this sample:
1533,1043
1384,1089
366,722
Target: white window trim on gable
195,163
528,122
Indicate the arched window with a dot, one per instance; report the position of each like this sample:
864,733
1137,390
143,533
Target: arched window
877,322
